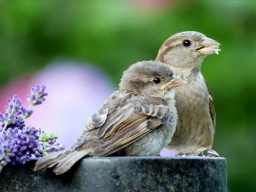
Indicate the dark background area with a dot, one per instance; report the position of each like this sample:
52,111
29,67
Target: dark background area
115,34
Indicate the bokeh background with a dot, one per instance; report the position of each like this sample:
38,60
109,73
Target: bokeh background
79,49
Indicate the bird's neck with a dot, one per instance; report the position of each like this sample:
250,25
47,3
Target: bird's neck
186,73
185,69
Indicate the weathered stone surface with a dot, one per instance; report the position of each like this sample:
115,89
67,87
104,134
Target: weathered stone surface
124,174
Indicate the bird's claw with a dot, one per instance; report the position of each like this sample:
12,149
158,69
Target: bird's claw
212,153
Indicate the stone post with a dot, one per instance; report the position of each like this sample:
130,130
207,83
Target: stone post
122,174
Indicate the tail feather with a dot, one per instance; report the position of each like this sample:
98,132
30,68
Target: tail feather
68,161
50,160
53,163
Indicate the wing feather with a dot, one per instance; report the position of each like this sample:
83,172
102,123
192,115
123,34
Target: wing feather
139,116
211,107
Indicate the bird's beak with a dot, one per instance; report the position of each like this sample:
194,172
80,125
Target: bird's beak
175,82
208,47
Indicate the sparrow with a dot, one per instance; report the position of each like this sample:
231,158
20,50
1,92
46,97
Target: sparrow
139,119
184,53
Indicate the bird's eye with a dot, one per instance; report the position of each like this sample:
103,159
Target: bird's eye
186,43
156,80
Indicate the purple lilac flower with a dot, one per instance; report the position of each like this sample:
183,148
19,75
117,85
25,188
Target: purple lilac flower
13,114
19,145
18,142
37,95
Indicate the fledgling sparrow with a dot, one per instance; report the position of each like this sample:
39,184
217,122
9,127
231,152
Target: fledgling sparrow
137,120
184,52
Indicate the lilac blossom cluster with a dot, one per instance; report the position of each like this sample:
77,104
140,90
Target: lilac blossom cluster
20,143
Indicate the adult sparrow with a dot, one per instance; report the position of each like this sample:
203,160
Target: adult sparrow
137,120
184,52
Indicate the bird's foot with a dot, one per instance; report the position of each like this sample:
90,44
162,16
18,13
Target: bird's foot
212,153
198,152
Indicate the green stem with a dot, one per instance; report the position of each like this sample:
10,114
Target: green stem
30,106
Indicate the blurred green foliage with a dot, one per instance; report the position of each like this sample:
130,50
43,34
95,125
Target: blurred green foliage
114,34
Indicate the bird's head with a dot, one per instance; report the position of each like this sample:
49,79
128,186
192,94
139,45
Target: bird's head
186,50
150,78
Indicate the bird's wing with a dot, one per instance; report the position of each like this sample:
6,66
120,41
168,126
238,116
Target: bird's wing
128,119
211,107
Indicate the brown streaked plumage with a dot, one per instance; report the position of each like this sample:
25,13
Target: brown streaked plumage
184,53
138,119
